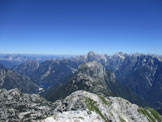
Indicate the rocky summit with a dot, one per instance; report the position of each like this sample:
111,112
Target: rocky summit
82,106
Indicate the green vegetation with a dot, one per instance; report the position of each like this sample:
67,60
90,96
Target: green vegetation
121,119
156,115
147,114
104,100
92,106
127,102
151,114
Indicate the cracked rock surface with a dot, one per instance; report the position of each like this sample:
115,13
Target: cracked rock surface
82,106
16,106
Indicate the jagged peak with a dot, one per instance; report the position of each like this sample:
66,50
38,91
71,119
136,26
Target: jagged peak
93,66
91,53
120,54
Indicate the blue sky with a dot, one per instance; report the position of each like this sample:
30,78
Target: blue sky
77,26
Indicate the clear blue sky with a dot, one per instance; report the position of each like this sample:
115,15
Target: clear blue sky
77,26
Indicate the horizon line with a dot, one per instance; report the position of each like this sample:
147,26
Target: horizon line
47,54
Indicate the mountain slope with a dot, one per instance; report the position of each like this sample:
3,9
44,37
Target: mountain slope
142,74
92,77
10,79
7,64
51,73
27,68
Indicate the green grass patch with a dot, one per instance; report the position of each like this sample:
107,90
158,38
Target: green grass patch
121,119
156,115
103,99
92,106
127,102
151,114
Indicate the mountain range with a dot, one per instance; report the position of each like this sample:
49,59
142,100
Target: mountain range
134,77
139,73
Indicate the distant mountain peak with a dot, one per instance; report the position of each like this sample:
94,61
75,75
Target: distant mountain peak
91,53
91,56
120,54
94,56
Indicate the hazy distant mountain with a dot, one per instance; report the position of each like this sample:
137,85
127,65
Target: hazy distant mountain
7,64
27,68
21,58
10,79
52,72
16,59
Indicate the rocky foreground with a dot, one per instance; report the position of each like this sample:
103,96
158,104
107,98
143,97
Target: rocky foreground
80,106
16,106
